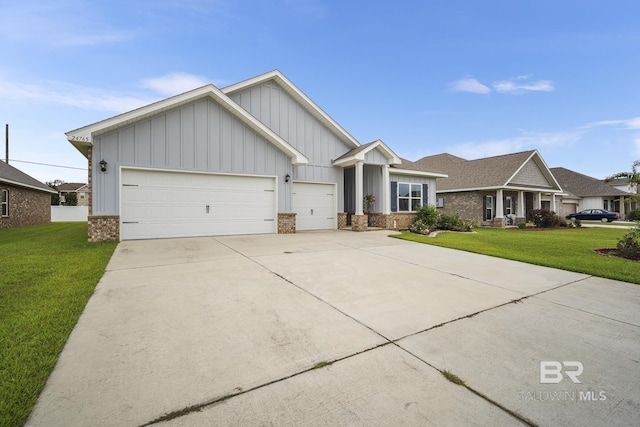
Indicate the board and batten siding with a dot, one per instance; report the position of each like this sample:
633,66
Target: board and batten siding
417,180
198,136
276,109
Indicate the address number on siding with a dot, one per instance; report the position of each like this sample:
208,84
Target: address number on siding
80,138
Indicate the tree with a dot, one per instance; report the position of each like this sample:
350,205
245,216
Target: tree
55,198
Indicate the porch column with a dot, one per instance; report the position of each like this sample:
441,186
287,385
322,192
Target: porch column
386,190
499,204
359,195
520,209
622,209
538,200
553,203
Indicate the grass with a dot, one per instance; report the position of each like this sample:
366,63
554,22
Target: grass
566,248
452,377
47,274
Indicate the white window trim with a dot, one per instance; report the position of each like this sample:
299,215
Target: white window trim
410,198
508,206
4,203
488,207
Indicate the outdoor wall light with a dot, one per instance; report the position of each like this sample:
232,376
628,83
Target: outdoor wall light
287,177
103,165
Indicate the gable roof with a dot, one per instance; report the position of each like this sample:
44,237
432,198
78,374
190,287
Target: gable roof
13,176
584,185
300,97
358,154
82,138
71,186
489,172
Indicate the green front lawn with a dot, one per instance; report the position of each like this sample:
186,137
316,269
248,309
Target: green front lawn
565,248
47,274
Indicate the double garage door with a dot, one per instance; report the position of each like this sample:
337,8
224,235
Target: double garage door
161,204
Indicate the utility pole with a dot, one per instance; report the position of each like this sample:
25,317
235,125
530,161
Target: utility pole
6,138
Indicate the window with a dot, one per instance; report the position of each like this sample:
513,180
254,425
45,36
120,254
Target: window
508,205
488,208
5,203
81,196
409,197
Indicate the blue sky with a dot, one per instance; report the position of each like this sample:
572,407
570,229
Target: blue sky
472,78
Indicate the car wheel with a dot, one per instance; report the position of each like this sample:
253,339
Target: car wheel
604,220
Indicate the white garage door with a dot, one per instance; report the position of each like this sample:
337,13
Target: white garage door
315,206
158,204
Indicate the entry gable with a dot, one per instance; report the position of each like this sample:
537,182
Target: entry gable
534,173
376,152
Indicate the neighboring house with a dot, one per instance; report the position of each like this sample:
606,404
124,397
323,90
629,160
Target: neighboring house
81,190
629,187
23,199
494,191
585,192
255,157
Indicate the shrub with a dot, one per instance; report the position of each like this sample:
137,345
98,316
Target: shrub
522,225
543,218
452,222
419,227
629,245
429,215
634,215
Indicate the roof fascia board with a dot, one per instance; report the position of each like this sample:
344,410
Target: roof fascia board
299,96
83,137
397,171
32,187
525,189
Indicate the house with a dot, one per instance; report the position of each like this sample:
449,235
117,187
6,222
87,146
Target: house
23,199
494,191
627,186
258,156
79,189
585,192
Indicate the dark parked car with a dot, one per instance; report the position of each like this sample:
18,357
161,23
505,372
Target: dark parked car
595,215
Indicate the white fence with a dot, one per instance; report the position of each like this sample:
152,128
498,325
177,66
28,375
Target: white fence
69,213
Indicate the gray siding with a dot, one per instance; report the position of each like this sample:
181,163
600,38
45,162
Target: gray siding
199,136
274,107
372,184
418,180
530,174
375,157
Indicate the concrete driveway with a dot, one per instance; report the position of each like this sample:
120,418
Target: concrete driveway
342,328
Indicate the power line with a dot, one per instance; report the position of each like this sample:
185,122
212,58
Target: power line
47,164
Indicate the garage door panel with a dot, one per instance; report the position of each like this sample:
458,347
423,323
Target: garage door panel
314,205
158,204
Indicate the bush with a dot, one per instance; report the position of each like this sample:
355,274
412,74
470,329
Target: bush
522,225
634,215
629,245
452,222
419,227
543,218
428,215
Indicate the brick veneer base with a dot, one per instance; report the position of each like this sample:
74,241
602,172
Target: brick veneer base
359,222
103,227
342,220
286,223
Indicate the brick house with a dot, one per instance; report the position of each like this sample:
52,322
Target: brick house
494,191
23,199
80,189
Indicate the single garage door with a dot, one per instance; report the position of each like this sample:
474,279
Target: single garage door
314,205
160,204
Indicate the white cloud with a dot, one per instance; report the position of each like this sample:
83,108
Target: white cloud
72,95
521,84
175,83
469,85
528,141
633,123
